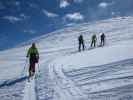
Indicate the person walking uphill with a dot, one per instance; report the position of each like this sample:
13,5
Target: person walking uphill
94,40
102,39
33,56
81,43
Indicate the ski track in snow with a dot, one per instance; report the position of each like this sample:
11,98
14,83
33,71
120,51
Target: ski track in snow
45,88
86,83
69,91
103,73
30,90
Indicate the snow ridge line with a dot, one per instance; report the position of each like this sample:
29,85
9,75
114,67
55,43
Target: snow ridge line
122,62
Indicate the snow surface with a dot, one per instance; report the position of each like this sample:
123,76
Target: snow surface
29,91
97,56
63,73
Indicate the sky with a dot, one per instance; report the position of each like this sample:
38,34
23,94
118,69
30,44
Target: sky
22,20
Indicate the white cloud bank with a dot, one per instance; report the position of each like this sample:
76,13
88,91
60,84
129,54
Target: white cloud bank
103,5
75,16
30,31
23,16
49,14
12,19
17,3
64,3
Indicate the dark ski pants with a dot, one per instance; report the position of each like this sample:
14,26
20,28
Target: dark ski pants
32,68
81,45
93,43
102,42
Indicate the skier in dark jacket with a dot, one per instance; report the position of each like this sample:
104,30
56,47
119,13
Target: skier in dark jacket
93,40
33,56
81,42
102,39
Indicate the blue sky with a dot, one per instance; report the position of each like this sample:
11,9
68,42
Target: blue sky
22,20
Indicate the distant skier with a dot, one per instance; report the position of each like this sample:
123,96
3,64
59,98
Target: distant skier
93,40
81,43
33,56
102,39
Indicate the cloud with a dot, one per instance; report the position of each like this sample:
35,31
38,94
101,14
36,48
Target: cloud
112,13
64,4
75,16
23,16
32,5
17,3
30,31
12,19
49,14
70,24
103,5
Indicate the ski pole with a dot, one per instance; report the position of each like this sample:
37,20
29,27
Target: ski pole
38,67
38,73
24,67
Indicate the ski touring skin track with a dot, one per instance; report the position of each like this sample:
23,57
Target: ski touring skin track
69,91
30,90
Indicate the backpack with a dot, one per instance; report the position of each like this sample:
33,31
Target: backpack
34,58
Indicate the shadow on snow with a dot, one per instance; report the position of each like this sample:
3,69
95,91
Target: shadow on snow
12,82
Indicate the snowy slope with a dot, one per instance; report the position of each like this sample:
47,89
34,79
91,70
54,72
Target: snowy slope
103,73
100,69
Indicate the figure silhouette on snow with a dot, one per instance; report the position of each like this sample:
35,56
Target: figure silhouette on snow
81,43
93,41
33,56
102,39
